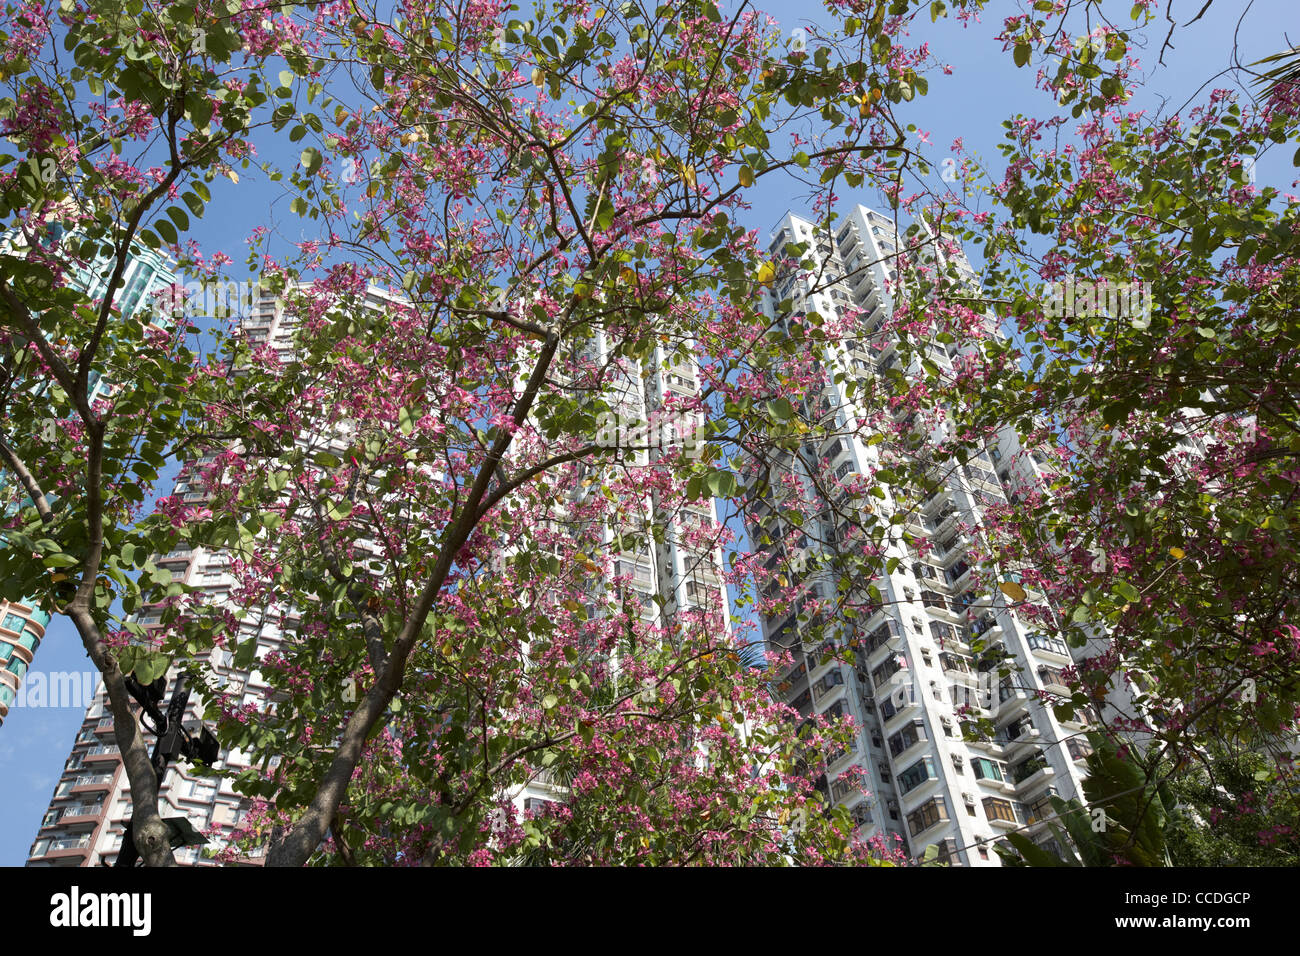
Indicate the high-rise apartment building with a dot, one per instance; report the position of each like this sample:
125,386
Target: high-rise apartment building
84,825
932,650
22,624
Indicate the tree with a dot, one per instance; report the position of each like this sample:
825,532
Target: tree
420,494
1234,807
1152,375
152,106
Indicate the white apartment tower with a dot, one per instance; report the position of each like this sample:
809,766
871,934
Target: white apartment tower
931,651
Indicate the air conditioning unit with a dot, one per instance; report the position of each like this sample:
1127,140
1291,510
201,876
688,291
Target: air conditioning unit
969,798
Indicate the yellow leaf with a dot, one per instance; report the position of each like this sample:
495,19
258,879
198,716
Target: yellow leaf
766,273
538,77
746,176
232,175
1012,590
1178,553
688,175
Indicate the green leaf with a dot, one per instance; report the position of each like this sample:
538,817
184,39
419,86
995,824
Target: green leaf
151,666
311,160
244,655
781,409
722,484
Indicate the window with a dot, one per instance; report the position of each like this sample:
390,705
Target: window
1078,747
14,622
925,652
29,640
1054,645
915,775
956,571
1050,675
986,769
913,733
954,662
943,632
1040,807
933,599
947,854
892,665
882,634
929,814
1019,728
998,809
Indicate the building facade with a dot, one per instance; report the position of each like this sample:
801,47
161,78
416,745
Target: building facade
933,653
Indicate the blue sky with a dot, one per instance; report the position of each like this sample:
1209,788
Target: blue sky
984,89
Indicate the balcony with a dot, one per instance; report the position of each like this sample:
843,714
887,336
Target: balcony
1053,681
1032,771
900,702
81,813
1041,810
67,847
986,623
89,783
101,753
1052,648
